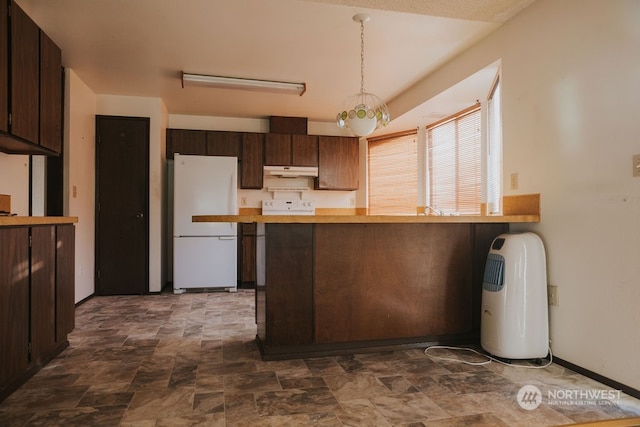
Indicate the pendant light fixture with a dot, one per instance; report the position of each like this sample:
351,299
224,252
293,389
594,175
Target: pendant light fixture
363,112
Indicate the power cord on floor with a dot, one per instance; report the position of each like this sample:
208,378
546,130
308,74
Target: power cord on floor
484,362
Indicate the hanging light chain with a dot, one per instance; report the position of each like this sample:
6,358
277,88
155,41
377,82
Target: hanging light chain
362,56
369,111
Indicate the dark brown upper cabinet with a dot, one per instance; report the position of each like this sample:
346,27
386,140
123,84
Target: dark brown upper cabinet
25,40
304,150
51,84
203,143
288,125
31,77
252,163
291,150
277,149
220,143
184,141
4,70
337,163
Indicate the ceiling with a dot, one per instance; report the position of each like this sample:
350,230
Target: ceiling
140,48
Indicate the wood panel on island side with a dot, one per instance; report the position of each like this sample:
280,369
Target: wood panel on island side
327,289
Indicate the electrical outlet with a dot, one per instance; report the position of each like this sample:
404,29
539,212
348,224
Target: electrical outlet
352,201
636,165
552,294
243,201
514,181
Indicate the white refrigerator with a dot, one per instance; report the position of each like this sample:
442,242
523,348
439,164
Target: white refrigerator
204,253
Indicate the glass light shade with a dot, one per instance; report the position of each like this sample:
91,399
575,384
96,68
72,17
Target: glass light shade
363,113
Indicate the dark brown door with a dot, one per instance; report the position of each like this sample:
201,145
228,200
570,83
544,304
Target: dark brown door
122,205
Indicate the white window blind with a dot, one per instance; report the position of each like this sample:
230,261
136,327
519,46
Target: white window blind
453,159
393,174
494,151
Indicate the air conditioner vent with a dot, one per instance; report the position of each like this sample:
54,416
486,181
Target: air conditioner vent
493,280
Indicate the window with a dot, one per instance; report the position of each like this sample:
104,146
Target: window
393,174
453,161
453,166
494,150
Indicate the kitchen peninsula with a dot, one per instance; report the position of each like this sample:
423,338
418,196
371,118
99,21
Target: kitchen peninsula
331,284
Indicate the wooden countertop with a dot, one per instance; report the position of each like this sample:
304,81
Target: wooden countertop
365,219
12,221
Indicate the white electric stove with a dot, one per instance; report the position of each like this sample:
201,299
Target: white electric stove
288,207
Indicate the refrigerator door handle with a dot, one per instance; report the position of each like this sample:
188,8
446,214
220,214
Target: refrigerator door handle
233,199
227,237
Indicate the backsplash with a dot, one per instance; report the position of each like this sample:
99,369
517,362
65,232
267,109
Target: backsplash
322,199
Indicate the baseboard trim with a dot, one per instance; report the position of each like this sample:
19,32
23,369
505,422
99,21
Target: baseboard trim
82,301
600,378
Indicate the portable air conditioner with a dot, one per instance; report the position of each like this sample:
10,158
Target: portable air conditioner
514,322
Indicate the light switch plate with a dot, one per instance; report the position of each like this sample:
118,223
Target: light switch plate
636,165
514,181
552,294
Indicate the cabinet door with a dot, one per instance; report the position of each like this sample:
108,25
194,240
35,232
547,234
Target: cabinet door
337,163
183,141
251,168
289,284
277,149
14,304
4,69
43,291
248,255
65,281
50,94
248,259
25,40
288,125
224,143
304,150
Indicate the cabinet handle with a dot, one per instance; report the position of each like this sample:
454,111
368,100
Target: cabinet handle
139,215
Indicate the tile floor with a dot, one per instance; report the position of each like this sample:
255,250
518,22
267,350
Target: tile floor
181,360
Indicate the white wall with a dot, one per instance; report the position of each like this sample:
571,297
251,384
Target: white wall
155,109
14,181
571,98
79,174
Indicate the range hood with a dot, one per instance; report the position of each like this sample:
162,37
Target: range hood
291,171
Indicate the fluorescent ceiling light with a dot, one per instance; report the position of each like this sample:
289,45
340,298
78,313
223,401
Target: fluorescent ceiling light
243,84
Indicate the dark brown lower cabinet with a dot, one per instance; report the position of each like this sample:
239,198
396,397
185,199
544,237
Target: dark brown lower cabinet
14,304
43,292
65,281
247,255
37,303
